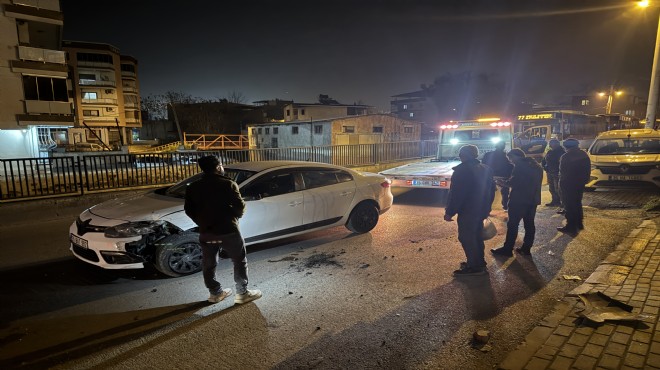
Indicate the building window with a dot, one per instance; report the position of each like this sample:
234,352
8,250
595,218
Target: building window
294,130
89,95
267,130
254,131
288,113
407,129
87,76
273,142
128,68
259,131
585,102
630,112
348,129
90,113
45,88
378,129
94,57
318,129
295,112
275,130
412,114
302,112
405,106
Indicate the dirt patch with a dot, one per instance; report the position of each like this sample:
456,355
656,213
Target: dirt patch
319,260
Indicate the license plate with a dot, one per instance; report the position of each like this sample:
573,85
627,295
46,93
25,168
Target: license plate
421,183
625,178
79,241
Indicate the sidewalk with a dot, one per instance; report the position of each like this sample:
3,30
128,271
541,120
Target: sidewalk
563,340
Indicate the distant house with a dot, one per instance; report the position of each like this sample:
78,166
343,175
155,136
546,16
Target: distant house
347,129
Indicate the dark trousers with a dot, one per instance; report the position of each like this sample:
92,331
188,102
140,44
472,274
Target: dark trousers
572,200
553,186
526,213
234,247
504,191
469,234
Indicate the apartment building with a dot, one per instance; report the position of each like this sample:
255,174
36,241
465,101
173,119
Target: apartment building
35,104
106,95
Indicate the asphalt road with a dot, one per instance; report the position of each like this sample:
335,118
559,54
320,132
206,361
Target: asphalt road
332,299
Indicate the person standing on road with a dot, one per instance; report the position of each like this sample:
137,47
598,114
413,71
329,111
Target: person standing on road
471,195
501,167
574,171
525,182
215,205
550,164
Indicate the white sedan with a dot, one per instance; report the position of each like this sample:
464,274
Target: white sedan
283,198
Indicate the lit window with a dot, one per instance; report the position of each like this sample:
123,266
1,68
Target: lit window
294,130
585,102
89,95
405,106
349,129
412,114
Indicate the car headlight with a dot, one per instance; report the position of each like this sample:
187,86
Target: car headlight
131,229
453,141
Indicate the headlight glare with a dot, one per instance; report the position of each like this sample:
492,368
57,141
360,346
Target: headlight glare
131,229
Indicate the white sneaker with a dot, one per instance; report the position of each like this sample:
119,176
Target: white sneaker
215,298
248,296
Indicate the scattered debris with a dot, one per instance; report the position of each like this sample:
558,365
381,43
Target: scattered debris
320,259
551,253
572,277
599,307
420,249
414,241
288,258
364,265
481,336
290,292
154,290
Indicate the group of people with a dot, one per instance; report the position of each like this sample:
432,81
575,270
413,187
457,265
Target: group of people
473,186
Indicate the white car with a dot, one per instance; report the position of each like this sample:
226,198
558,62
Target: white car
625,158
283,198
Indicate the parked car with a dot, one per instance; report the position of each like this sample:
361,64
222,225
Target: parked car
150,161
625,158
283,198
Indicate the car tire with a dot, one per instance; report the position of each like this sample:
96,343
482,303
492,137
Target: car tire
363,218
179,255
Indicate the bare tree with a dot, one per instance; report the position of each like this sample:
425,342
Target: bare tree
236,97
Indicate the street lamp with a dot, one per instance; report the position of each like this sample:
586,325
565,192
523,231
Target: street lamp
610,98
652,105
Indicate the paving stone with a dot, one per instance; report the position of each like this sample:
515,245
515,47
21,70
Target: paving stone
556,340
655,346
642,337
616,349
578,339
564,330
634,360
561,363
653,359
606,329
599,339
585,363
585,330
570,350
547,352
609,361
638,348
593,350
537,364
624,329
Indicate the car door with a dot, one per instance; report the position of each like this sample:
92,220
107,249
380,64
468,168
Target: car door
273,206
328,196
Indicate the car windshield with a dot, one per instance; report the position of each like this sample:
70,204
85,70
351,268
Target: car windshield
179,190
641,145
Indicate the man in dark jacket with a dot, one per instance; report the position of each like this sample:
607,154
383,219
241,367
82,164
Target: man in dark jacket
574,171
215,205
501,167
470,196
525,182
550,164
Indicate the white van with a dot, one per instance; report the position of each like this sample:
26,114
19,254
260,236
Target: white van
625,158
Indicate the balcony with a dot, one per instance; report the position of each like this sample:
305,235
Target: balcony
102,101
53,5
132,120
47,107
132,89
131,105
41,55
84,63
128,74
96,83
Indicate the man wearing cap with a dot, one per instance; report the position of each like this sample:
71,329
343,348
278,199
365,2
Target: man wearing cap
574,171
550,164
501,167
471,195
215,205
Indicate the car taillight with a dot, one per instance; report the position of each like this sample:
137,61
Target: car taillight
386,183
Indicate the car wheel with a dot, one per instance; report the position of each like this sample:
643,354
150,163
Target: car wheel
363,218
179,255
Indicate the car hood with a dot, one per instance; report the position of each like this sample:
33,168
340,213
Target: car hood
143,207
625,158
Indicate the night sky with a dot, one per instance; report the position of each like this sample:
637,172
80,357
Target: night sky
367,50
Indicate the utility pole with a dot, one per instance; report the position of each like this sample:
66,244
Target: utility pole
652,105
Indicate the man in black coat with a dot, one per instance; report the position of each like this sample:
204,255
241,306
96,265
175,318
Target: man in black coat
215,205
574,171
501,167
471,195
550,164
525,182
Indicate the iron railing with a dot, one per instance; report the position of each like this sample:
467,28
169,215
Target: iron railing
25,178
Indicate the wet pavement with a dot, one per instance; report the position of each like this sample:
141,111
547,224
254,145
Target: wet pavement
566,339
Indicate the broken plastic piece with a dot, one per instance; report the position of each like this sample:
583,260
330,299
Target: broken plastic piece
599,307
572,277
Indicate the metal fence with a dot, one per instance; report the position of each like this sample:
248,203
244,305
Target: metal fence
26,178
